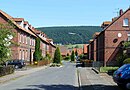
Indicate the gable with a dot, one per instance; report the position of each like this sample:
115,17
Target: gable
118,23
3,19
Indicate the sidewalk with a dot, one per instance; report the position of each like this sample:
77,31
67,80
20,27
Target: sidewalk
20,73
89,80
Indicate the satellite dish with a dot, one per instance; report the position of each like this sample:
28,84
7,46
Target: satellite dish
119,35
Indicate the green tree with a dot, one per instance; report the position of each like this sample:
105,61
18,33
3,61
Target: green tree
57,56
48,56
6,34
72,56
76,53
38,53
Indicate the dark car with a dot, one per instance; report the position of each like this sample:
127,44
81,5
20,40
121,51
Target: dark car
122,76
16,63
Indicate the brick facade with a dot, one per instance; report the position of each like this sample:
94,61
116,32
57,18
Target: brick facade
25,36
107,45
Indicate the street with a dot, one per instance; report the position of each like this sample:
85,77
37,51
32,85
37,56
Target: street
62,78
52,78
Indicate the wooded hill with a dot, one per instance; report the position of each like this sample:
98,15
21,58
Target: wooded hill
61,35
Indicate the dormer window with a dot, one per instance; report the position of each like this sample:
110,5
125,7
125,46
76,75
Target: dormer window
126,22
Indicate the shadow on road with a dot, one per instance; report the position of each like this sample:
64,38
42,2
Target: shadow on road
70,87
78,64
50,87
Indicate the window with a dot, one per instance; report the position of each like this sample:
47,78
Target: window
128,37
34,42
30,41
126,22
23,38
19,37
26,40
23,55
20,54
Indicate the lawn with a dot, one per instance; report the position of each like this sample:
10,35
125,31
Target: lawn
107,69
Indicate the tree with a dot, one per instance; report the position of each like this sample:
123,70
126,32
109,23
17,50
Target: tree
6,34
76,52
57,56
38,53
72,56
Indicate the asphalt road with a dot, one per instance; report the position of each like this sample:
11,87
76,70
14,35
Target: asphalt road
52,78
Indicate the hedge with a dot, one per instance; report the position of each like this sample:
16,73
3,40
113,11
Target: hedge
6,70
126,61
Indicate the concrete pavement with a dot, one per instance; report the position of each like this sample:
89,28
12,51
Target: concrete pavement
19,73
89,80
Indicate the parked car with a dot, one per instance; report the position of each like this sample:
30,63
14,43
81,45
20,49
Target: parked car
16,63
122,76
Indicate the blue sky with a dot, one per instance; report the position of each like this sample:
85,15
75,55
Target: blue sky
45,13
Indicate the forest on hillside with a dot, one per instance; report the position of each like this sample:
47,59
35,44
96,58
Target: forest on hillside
61,35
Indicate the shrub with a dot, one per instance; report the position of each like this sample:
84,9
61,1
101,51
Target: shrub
126,61
83,56
120,58
67,58
6,70
38,53
55,65
108,69
57,56
72,56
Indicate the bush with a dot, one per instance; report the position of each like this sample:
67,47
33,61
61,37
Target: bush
108,69
72,56
6,70
38,52
120,58
67,58
57,56
126,61
55,65
83,56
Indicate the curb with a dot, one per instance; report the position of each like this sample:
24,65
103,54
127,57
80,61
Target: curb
95,70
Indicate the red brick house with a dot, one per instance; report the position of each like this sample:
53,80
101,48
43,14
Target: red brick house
91,50
79,50
52,48
108,42
64,51
85,51
25,36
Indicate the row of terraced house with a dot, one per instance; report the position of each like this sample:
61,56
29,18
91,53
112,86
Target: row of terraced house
25,36
106,45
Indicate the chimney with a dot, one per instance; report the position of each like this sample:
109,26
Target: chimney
121,12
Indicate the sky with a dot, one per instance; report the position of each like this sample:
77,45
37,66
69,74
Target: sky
48,13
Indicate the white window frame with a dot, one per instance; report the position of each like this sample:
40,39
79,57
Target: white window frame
30,41
26,39
128,36
20,37
125,22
